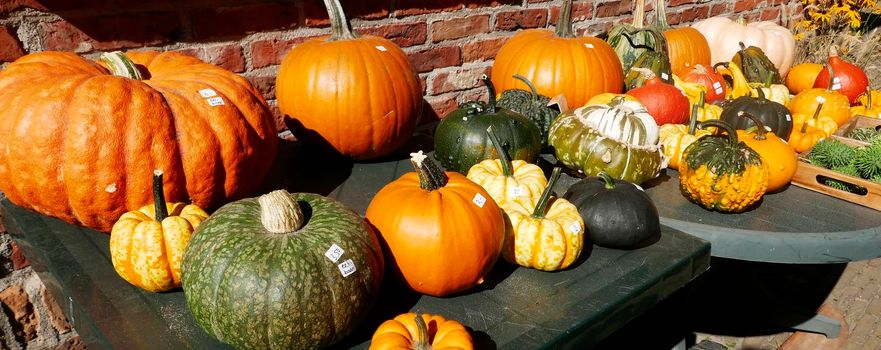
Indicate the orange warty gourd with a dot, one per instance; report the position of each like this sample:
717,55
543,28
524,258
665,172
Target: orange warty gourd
686,46
78,135
421,332
442,232
360,94
559,63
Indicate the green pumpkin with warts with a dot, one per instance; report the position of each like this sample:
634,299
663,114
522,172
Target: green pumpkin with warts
282,271
532,105
629,50
756,66
655,60
460,139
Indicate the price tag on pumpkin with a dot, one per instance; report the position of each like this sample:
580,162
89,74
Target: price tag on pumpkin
215,101
575,227
334,253
479,199
347,267
788,117
664,76
718,87
381,48
516,191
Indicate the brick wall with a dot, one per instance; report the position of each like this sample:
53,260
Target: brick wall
449,42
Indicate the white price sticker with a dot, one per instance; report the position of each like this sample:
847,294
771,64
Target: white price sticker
381,48
788,117
334,253
836,80
717,85
575,227
516,191
347,267
820,99
479,199
836,86
664,76
718,91
206,93
588,45
215,101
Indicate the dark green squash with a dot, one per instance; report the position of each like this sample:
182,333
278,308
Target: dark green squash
756,66
774,115
653,59
532,105
617,214
282,271
460,139
629,50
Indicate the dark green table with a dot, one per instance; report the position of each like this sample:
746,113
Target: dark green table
516,308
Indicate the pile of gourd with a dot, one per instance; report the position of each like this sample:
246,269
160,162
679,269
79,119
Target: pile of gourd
138,144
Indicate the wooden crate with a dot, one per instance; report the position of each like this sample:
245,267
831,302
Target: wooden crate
811,177
859,121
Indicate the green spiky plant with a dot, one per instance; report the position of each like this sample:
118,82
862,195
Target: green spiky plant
831,153
864,134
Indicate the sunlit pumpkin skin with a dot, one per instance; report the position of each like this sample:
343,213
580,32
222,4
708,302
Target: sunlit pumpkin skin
802,76
816,120
360,94
712,81
559,63
508,181
664,102
640,41
772,114
676,137
621,119
460,139
686,46
780,157
835,105
429,218
72,133
756,66
774,92
546,237
869,105
724,35
719,172
146,249
847,78
421,331
531,105
607,97
282,271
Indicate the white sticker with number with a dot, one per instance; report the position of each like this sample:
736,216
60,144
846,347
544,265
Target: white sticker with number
479,199
820,99
347,267
381,48
334,253
215,101
515,191
575,227
836,86
206,93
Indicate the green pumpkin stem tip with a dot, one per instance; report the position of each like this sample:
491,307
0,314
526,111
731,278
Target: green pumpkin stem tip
692,120
491,105
280,213
120,65
542,204
761,130
504,158
431,177
702,100
159,206
422,341
608,180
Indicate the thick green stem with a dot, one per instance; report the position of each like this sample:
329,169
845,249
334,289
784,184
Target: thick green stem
761,94
159,197
430,176
692,120
816,118
608,180
545,198
423,340
661,12
280,213
340,27
760,128
564,22
120,65
507,167
491,105
529,85
732,134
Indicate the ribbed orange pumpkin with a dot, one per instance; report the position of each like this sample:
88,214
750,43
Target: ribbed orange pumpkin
77,139
559,63
360,94
686,46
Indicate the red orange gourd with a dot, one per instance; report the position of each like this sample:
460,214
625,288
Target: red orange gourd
849,79
664,102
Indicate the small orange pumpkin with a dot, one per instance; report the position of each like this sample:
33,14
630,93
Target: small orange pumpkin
835,105
780,156
802,77
804,136
419,332
686,46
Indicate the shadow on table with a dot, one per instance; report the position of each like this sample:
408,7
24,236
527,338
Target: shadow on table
734,298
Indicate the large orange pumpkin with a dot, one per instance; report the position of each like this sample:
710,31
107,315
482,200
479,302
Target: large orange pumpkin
686,46
360,94
442,232
559,63
80,143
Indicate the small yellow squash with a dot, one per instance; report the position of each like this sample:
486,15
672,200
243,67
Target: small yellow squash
508,181
676,137
147,245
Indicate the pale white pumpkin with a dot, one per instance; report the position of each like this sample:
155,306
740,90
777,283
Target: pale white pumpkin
623,120
725,35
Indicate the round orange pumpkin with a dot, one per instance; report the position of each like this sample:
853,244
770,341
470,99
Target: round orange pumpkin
559,63
802,77
419,332
777,153
686,46
442,232
360,94
77,138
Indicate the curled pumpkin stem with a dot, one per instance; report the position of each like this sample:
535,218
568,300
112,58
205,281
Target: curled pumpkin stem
430,176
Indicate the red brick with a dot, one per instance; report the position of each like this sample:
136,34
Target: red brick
403,34
25,321
457,80
229,57
236,22
694,13
674,3
423,83
530,18
473,4
459,27
429,59
19,261
718,9
482,49
271,51
56,316
8,6
112,31
316,14
580,11
439,106
598,27
770,14
10,46
477,94
72,343
419,7
674,18
745,5
614,8
263,83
